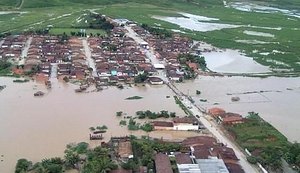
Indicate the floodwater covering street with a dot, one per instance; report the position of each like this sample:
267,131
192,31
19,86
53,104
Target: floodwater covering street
88,54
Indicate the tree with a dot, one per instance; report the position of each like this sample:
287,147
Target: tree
118,114
92,129
130,165
147,127
66,79
173,114
71,159
22,166
99,165
53,165
141,78
99,161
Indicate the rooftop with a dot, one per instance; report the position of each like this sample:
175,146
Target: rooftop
212,165
162,163
188,168
182,158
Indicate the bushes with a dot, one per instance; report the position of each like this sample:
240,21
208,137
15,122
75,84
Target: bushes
147,127
160,33
118,114
23,165
154,115
4,67
252,159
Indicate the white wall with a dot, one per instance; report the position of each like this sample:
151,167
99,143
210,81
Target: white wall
185,127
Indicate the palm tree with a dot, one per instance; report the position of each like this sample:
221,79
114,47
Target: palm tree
99,165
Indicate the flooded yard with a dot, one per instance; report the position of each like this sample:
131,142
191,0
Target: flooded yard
40,127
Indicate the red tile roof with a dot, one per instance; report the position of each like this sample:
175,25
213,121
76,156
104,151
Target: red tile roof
162,163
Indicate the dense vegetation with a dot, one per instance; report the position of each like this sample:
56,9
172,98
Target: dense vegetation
266,143
189,72
158,32
76,156
141,78
154,115
4,67
145,149
99,22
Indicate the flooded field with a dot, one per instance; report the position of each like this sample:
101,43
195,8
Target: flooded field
37,128
195,22
277,100
232,61
251,7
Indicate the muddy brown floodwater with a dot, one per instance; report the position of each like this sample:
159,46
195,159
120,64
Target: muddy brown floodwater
37,128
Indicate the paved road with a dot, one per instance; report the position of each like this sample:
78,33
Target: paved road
150,54
248,168
88,54
25,51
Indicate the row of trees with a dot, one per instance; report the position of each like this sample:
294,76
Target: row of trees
154,115
160,33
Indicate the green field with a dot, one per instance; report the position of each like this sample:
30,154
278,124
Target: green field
71,14
266,143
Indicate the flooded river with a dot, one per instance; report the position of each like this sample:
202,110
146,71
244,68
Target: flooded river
37,128
277,100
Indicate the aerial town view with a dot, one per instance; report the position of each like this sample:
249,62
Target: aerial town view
161,86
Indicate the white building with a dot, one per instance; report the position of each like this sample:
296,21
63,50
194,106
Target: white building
186,123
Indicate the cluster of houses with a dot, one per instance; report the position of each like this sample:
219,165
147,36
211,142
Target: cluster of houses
69,56
168,49
118,58
199,154
12,46
225,118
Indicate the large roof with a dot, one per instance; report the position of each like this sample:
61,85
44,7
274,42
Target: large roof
212,165
162,163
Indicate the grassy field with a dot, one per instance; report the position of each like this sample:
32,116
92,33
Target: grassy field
69,14
267,144
255,133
